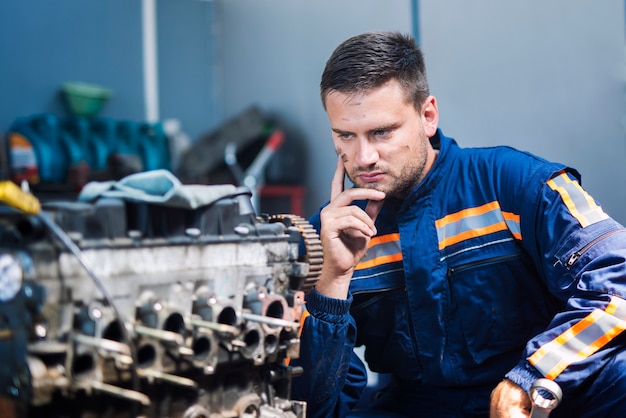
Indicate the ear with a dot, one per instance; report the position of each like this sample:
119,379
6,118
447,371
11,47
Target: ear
430,115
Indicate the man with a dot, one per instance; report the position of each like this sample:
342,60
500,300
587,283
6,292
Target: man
468,274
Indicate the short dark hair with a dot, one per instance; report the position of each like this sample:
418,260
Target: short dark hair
369,60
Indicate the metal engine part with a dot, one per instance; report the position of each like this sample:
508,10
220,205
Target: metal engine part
118,308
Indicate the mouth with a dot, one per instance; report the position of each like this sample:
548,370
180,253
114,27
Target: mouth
373,177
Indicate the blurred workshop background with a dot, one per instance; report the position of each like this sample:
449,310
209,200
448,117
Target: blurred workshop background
227,90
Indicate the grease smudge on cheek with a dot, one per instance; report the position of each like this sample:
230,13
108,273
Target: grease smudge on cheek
343,156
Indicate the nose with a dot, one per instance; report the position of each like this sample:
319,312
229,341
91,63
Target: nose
366,153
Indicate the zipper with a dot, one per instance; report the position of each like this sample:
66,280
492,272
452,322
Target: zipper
382,290
498,259
577,254
368,302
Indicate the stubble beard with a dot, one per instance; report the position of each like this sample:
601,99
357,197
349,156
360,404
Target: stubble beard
400,184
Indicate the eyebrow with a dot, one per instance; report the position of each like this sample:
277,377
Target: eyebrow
388,127
339,131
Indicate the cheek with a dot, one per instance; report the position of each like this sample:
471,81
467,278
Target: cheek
341,154
338,148
398,153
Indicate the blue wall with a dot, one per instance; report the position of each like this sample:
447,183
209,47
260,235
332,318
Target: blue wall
45,43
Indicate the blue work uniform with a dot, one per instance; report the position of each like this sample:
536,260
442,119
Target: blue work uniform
497,264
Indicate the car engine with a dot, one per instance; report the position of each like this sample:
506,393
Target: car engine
119,307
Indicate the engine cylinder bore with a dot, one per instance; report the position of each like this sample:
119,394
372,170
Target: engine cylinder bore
271,343
83,365
275,309
113,331
201,346
227,316
174,323
252,339
146,355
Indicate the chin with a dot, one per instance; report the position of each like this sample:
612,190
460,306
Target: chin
375,186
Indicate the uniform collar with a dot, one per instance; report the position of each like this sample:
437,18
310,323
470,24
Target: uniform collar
447,148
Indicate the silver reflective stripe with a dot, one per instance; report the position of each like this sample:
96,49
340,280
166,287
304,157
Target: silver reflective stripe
581,340
580,204
476,222
382,248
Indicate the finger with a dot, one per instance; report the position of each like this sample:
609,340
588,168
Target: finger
336,186
350,195
350,222
340,217
373,208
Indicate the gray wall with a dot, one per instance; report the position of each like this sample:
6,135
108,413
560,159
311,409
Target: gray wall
547,77
188,64
274,52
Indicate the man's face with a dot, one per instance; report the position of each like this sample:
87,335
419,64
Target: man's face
383,139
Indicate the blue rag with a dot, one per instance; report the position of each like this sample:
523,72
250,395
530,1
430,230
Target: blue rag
157,186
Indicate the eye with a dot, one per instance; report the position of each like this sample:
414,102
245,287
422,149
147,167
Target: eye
344,135
382,133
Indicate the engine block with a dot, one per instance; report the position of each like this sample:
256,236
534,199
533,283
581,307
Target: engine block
124,308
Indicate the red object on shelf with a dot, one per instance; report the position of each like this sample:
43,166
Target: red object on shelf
293,192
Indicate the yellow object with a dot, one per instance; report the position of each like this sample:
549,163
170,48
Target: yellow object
18,199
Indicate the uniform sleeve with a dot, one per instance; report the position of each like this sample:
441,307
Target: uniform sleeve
333,376
581,252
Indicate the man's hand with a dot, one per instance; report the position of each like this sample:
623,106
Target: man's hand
345,233
508,400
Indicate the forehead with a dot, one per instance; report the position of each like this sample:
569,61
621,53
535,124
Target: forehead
378,106
392,83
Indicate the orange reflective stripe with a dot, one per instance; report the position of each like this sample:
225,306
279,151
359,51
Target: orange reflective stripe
379,260
454,217
382,250
472,234
513,223
476,222
581,340
580,204
384,238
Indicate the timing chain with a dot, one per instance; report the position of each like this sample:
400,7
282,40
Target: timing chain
312,243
